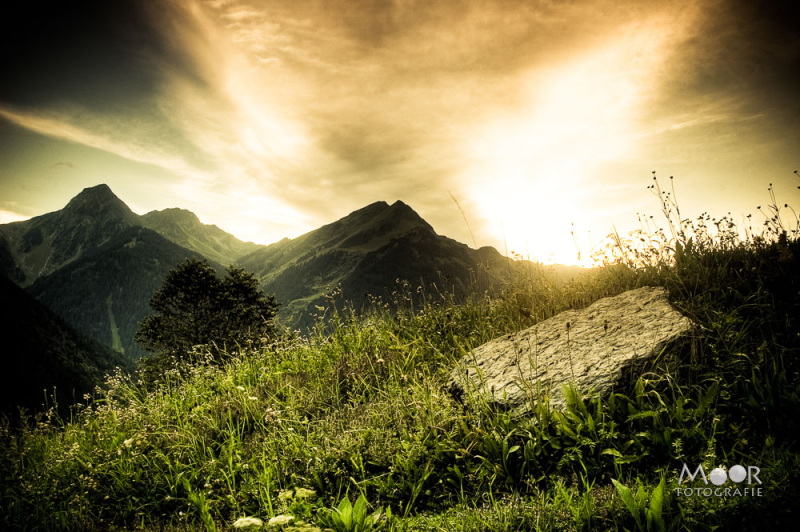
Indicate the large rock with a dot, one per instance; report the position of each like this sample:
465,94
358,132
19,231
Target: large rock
593,347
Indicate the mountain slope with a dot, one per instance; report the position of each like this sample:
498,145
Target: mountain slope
366,252
8,264
43,244
105,293
39,351
185,229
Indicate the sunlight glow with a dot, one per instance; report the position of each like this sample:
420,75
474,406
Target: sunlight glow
6,217
532,171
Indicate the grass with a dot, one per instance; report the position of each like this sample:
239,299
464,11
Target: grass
357,412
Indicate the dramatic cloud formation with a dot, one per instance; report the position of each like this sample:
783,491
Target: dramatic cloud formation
271,118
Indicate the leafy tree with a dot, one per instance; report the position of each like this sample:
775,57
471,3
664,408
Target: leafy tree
195,307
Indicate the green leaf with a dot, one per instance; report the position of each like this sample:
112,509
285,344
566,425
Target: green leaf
708,398
360,511
656,505
627,498
345,510
626,495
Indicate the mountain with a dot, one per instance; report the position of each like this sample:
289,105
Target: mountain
97,264
366,252
8,264
41,245
39,351
105,293
185,229
44,244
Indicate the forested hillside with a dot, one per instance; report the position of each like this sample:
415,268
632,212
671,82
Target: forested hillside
107,292
40,351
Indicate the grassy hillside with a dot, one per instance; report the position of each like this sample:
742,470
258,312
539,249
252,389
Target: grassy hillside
358,409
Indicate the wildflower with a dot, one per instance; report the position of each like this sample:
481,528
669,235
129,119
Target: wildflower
240,388
128,442
286,495
303,493
280,520
245,522
252,398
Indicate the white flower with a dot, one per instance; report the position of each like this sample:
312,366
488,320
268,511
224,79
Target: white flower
128,442
280,520
244,522
252,398
240,388
286,495
303,493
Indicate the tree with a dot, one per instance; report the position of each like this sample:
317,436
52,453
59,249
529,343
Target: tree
195,307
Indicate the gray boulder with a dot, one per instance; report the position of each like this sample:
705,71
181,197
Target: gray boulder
594,347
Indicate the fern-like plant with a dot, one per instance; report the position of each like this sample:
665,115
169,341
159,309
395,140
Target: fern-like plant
637,505
354,518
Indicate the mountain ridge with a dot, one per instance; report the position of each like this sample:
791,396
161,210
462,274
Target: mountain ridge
97,263
364,253
36,247
185,229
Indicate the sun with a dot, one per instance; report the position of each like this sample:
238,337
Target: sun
533,171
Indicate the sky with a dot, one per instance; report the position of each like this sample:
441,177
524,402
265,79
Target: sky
510,123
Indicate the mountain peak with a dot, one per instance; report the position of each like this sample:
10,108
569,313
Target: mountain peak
99,202
402,211
101,191
175,214
184,228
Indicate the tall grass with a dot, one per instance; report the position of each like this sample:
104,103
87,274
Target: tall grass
357,411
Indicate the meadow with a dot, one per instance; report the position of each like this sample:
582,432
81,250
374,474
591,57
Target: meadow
351,427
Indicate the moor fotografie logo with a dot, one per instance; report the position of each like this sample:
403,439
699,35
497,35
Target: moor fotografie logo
719,478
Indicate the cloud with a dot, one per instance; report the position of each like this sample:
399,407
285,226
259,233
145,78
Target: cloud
98,133
275,117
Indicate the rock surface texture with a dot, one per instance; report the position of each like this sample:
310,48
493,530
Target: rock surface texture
594,346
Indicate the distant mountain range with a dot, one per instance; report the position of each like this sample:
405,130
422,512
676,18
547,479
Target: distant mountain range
96,263
185,229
